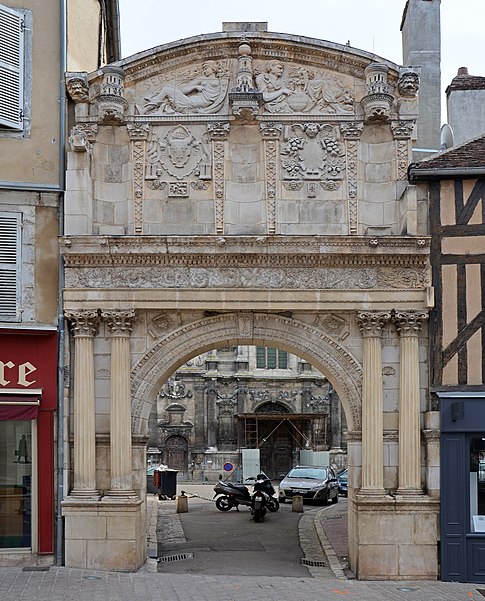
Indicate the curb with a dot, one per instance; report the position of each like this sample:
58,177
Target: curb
333,560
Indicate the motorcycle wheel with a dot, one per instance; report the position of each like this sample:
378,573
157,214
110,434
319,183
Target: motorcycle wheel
223,503
273,505
258,515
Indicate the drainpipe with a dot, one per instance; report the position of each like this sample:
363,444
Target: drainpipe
59,547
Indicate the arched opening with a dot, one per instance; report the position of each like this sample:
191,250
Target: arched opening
309,342
247,397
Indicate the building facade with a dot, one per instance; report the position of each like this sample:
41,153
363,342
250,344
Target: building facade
454,182
227,192
34,57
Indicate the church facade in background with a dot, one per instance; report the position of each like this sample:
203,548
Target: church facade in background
244,397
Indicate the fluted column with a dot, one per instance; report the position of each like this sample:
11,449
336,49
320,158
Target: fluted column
120,325
371,324
85,327
408,324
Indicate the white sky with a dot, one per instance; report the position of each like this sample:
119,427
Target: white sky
372,25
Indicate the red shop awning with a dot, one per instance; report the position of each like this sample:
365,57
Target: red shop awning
17,407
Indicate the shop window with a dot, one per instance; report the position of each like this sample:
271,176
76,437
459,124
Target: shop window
15,484
477,483
271,358
10,266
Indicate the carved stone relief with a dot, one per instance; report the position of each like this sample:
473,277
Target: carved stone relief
290,89
265,277
334,326
312,151
201,90
177,153
138,135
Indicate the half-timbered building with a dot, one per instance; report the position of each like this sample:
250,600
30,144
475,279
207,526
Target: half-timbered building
455,185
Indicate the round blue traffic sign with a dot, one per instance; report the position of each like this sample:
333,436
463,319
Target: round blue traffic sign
228,467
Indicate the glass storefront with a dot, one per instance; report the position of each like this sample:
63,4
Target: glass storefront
16,484
477,483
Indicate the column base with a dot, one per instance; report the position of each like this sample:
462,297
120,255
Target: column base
105,536
409,492
372,492
84,495
119,495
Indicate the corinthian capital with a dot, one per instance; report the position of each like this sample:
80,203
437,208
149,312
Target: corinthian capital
371,323
119,322
409,323
84,323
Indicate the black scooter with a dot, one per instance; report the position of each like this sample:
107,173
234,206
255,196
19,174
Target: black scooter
228,495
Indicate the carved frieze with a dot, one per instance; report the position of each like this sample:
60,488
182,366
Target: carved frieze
243,277
289,88
201,89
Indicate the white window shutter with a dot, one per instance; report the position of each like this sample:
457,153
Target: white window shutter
11,68
9,266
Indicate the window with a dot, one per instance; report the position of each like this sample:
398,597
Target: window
12,44
10,224
271,358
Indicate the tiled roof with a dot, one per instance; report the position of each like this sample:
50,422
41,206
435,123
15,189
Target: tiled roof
469,156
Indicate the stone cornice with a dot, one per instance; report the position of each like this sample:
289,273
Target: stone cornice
299,252
264,46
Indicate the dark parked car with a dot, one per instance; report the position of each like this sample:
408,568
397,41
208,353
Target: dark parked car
313,482
342,483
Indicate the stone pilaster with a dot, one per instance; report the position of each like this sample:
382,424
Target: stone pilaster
85,327
408,324
120,325
371,324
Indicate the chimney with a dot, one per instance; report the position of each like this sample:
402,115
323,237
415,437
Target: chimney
421,43
465,104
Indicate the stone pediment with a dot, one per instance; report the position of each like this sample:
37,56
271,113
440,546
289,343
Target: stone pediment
294,76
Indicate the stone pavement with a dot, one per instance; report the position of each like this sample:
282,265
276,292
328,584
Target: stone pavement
324,527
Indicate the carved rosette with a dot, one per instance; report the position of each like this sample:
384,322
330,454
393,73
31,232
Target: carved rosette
120,323
138,134
352,132
84,323
218,132
371,323
409,323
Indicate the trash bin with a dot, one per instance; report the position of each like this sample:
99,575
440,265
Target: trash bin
168,483
152,488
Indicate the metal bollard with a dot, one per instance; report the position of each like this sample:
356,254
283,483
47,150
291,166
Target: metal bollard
297,504
182,503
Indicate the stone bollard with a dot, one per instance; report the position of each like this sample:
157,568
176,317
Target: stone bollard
182,503
297,504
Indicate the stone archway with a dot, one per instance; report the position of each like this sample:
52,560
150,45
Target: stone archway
308,341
